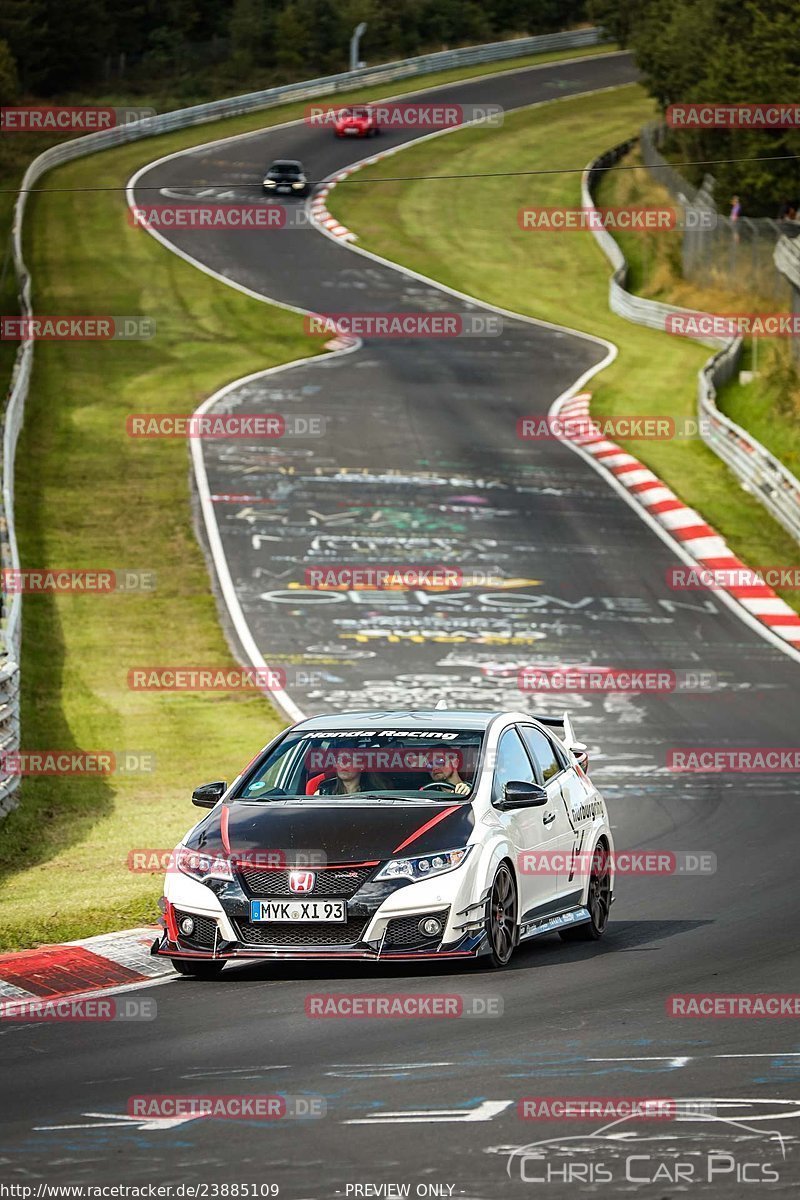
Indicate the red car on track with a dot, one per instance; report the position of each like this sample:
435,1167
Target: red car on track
356,122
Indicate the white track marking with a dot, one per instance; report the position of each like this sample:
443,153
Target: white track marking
415,1116
119,1121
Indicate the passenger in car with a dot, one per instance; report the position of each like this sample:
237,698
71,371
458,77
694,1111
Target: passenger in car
349,779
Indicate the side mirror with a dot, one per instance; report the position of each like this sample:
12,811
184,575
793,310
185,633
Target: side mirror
208,794
581,753
519,794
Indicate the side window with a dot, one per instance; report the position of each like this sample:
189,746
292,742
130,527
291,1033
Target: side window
512,763
544,752
276,773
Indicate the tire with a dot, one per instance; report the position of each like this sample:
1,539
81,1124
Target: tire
501,917
202,968
598,901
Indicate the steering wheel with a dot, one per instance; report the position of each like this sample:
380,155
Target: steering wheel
429,787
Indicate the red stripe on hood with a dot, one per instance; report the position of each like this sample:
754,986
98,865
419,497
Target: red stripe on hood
424,828
224,817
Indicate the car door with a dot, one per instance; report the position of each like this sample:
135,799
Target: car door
553,772
526,826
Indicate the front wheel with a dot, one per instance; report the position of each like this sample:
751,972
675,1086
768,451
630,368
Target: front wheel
598,902
501,918
202,968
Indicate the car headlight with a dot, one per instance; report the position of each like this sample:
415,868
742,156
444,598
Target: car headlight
202,866
269,183
422,868
301,183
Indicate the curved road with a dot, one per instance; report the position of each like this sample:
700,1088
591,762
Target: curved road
421,464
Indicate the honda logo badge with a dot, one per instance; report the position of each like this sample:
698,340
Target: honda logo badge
301,881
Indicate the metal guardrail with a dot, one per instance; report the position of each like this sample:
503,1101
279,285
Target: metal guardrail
11,632
758,471
622,302
787,261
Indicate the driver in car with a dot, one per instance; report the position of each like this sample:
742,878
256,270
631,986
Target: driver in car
444,769
349,777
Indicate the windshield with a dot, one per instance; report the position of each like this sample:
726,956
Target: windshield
284,169
403,764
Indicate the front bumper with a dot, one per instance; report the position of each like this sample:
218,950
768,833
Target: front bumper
227,951
381,925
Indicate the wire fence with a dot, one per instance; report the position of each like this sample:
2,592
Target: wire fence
787,261
737,255
759,472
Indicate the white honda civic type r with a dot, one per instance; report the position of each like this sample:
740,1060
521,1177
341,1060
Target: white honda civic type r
392,836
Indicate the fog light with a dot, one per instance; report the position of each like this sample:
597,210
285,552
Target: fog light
430,926
187,926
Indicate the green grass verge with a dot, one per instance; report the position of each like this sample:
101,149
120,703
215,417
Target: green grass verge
88,496
769,405
464,232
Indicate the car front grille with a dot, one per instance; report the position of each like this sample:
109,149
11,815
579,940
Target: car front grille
324,933
342,882
403,933
205,929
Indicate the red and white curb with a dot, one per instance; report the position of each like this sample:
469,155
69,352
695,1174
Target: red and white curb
111,960
696,536
319,209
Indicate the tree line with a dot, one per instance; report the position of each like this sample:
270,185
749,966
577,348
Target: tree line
199,47
720,51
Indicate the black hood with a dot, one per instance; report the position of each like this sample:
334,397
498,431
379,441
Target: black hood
341,829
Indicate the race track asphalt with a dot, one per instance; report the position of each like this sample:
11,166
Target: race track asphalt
421,464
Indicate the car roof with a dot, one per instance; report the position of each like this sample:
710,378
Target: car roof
286,162
424,718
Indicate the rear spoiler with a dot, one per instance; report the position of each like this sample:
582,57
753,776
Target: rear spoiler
564,727
561,723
